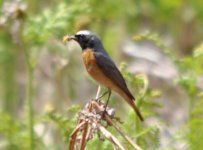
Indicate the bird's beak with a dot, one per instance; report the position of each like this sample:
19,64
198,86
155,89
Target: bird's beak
68,38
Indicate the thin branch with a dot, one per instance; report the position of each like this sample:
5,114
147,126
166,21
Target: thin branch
89,123
111,137
74,135
110,122
83,140
135,146
98,92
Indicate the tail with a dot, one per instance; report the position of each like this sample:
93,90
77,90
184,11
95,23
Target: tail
131,101
133,105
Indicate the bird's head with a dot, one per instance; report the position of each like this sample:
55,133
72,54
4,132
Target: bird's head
85,38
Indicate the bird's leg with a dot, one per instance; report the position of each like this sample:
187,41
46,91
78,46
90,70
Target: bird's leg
109,91
102,95
109,95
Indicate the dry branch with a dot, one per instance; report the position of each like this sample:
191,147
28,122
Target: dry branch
90,122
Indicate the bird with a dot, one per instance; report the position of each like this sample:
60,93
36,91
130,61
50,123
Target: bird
101,67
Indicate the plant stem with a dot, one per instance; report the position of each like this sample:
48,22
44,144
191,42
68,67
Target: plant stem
98,92
137,121
29,102
137,129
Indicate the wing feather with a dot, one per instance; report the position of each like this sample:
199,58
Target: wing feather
111,71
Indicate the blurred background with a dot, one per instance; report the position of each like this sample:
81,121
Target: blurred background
157,45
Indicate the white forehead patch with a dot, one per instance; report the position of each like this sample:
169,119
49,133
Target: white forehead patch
84,32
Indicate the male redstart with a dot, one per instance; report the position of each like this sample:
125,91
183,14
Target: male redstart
101,67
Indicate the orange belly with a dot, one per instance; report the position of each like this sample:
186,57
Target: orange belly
95,72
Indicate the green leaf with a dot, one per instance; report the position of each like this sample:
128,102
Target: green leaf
198,51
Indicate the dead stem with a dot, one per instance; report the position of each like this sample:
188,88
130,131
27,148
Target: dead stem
83,140
74,135
90,123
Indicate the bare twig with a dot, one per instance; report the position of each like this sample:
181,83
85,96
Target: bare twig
74,135
83,140
110,122
135,146
89,123
98,92
111,137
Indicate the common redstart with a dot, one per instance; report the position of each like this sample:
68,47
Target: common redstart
101,67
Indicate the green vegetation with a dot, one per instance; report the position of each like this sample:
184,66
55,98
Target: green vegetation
43,82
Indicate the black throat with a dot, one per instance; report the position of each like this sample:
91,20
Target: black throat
95,45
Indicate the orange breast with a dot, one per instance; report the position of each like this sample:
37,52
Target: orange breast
97,74
94,70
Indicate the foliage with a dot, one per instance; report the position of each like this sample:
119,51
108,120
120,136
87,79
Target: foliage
32,29
195,125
